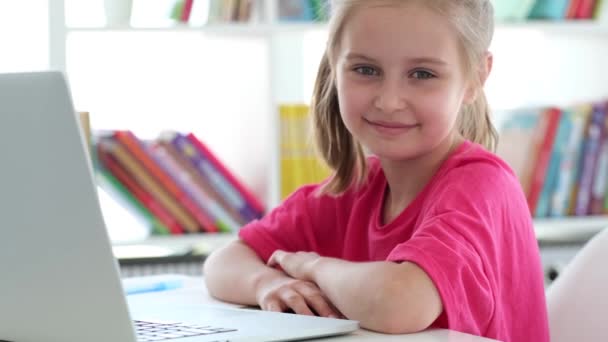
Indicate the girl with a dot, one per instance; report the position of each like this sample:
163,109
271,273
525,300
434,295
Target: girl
432,230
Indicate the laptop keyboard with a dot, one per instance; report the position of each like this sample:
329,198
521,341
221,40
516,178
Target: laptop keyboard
152,331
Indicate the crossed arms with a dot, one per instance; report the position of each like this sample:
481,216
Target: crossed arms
387,297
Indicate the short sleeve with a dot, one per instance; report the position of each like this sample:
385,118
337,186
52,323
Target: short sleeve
303,222
456,244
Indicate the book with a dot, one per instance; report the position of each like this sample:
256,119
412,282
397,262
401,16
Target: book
138,192
226,217
550,9
586,9
512,10
149,183
545,138
543,207
299,163
599,188
568,169
517,134
590,153
225,179
155,168
184,182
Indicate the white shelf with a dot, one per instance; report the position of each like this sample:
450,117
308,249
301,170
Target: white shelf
576,229
573,27
572,229
227,29
171,245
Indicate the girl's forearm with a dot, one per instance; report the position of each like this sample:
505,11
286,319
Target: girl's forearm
383,296
233,273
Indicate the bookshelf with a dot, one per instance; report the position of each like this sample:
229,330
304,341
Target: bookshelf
287,47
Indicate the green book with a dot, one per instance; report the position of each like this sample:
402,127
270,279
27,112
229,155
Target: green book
115,188
512,10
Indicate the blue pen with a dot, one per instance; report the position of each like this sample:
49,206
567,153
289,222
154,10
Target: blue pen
157,286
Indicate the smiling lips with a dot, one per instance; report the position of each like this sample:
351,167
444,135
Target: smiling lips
391,128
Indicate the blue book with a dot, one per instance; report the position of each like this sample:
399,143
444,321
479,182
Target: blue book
550,9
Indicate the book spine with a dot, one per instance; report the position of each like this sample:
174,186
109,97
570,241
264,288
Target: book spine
153,166
150,184
223,180
586,8
569,164
186,10
552,117
183,180
250,199
563,131
118,191
590,154
142,195
204,194
600,179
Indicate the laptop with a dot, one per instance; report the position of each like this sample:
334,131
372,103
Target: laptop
59,278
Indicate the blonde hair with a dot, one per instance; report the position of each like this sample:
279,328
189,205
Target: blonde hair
474,22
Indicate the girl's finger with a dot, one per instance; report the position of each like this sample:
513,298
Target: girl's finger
315,299
296,302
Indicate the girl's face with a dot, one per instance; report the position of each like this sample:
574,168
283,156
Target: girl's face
400,80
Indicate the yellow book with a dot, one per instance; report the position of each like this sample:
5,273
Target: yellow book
300,164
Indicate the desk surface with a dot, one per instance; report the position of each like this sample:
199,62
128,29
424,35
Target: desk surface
194,292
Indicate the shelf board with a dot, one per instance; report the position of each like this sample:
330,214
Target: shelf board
171,245
571,229
548,231
570,27
235,29
574,27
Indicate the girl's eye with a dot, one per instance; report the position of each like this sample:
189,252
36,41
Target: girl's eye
366,71
422,75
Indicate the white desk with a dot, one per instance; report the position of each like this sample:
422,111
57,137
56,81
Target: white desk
195,292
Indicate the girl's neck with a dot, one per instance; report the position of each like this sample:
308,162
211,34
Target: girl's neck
406,179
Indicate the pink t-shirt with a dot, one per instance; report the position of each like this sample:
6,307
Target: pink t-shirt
469,229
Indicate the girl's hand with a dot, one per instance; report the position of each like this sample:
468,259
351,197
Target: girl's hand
299,265
301,297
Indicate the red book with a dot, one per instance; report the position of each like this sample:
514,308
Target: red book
144,197
573,9
248,196
552,118
586,9
182,177
140,152
186,10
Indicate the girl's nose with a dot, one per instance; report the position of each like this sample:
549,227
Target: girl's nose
390,97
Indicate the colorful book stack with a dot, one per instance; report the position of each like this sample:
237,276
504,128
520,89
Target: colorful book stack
514,10
560,156
303,10
174,183
300,165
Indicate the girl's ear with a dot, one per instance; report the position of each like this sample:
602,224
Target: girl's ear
483,74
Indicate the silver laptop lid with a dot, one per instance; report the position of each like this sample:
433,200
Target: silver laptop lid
59,281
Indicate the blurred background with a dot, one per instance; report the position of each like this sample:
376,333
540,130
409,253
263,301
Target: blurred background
238,75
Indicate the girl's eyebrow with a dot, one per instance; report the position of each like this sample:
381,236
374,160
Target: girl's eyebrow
414,60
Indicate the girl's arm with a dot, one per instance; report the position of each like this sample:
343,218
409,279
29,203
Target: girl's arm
233,273
236,274
388,297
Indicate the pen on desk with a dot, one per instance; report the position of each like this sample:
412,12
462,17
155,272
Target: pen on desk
156,286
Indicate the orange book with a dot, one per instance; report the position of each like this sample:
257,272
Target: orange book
138,150
137,191
139,173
